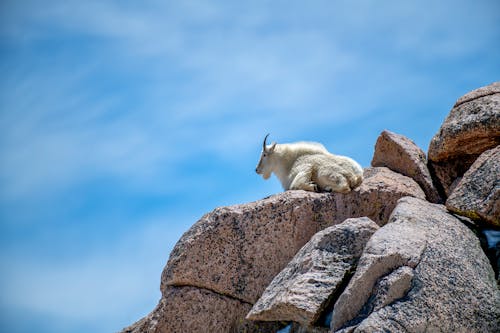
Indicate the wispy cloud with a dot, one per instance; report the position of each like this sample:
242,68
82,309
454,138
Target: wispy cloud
171,100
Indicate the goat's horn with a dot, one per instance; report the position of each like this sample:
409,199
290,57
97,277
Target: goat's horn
264,144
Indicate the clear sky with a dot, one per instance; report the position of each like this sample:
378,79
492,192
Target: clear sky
123,122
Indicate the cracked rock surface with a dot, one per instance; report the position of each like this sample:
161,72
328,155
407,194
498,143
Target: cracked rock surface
236,251
422,272
300,292
477,195
471,127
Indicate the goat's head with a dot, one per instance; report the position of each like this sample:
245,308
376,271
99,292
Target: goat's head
265,166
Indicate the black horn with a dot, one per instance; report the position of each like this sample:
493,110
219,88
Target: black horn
264,143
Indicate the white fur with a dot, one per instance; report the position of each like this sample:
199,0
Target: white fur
309,166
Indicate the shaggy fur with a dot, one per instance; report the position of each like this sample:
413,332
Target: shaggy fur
309,166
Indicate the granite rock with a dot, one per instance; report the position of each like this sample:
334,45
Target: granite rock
190,309
402,155
302,290
477,194
452,289
377,196
236,251
471,127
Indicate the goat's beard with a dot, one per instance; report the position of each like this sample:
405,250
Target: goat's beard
266,175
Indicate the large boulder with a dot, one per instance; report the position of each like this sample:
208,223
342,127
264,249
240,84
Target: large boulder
477,195
402,155
472,127
302,290
377,196
236,251
424,271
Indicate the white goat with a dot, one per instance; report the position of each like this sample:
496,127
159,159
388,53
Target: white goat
309,166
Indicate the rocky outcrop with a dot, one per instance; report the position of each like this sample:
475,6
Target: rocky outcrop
472,127
424,271
303,289
402,155
477,195
236,251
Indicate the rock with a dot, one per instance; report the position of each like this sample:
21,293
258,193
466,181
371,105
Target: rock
402,155
377,196
477,195
491,89
302,290
200,311
236,251
472,127
453,288
391,288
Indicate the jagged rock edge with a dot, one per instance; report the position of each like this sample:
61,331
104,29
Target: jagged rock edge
355,320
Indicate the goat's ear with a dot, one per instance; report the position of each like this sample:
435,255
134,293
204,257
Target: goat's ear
271,149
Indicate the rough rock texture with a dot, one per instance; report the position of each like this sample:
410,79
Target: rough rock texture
477,195
377,196
303,289
236,251
491,89
453,287
402,155
200,311
390,288
472,127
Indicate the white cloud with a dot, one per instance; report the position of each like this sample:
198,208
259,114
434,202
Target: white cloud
210,72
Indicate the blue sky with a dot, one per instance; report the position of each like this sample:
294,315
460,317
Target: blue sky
123,122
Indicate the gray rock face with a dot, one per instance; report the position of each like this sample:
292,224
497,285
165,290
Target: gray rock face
430,253
472,127
391,288
402,155
300,292
236,251
477,195
189,309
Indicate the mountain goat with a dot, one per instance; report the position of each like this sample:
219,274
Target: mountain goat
309,166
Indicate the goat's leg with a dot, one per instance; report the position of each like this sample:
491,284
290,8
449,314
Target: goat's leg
303,181
334,182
